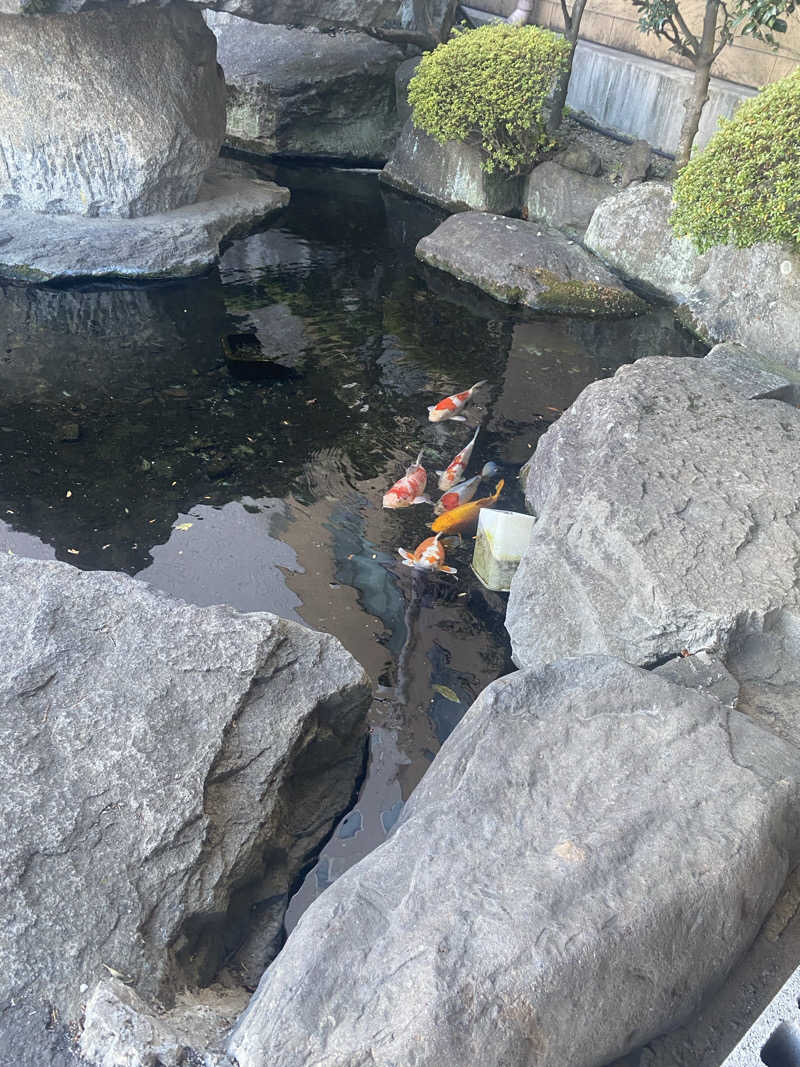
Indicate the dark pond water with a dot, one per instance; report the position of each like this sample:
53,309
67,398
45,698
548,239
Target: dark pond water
128,443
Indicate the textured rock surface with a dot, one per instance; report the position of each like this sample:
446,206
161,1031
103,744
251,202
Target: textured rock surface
751,374
114,112
563,198
636,164
668,518
305,93
581,158
165,770
424,16
448,174
178,243
120,1028
525,263
705,671
590,851
750,295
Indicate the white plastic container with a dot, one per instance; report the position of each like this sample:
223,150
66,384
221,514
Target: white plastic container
500,543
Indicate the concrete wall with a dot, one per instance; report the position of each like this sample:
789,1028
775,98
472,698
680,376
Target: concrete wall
615,23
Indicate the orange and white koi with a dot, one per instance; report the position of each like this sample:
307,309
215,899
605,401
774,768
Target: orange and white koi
450,407
464,519
410,488
458,495
455,472
427,556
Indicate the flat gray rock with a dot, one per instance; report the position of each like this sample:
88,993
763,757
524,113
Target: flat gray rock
751,374
175,244
450,175
305,93
705,671
589,853
749,295
118,112
526,264
165,772
563,198
668,518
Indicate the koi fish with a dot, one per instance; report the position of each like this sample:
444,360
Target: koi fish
450,407
464,519
454,473
459,494
409,489
427,556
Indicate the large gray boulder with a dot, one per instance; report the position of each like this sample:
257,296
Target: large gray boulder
667,519
450,175
563,197
427,17
526,264
118,111
591,850
170,244
305,93
165,772
749,295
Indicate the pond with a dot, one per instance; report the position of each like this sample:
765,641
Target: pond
129,442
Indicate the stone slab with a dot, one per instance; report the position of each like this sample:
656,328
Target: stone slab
526,264
175,244
588,855
751,374
305,93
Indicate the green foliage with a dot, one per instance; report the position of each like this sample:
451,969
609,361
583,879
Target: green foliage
745,187
487,87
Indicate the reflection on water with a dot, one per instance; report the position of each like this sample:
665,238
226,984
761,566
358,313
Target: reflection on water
127,443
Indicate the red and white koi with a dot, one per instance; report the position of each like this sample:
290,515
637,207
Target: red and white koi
455,472
410,488
459,494
450,407
427,556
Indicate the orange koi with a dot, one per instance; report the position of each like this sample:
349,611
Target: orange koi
464,519
409,489
427,556
450,407
458,495
454,473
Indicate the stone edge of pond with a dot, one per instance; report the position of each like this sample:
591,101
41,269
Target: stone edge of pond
38,248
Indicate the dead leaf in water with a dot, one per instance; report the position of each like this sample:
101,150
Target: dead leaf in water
183,526
447,693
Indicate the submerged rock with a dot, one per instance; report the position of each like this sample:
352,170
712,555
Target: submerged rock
118,111
450,174
526,263
173,244
589,853
749,295
667,519
308,94
166,772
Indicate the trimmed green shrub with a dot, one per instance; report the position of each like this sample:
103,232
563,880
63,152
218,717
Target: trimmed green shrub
487,87
744,187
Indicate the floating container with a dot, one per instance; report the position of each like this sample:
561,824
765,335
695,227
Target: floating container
500,543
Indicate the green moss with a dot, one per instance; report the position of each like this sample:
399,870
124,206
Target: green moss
744,187
488,87
587,298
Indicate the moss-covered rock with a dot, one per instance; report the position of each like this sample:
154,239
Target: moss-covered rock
526,264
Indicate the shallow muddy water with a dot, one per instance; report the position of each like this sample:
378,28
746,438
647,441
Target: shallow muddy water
128,442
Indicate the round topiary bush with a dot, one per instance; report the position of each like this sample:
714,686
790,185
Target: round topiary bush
487,87
744,187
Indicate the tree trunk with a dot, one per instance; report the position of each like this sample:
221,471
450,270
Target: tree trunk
560,92
698,95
